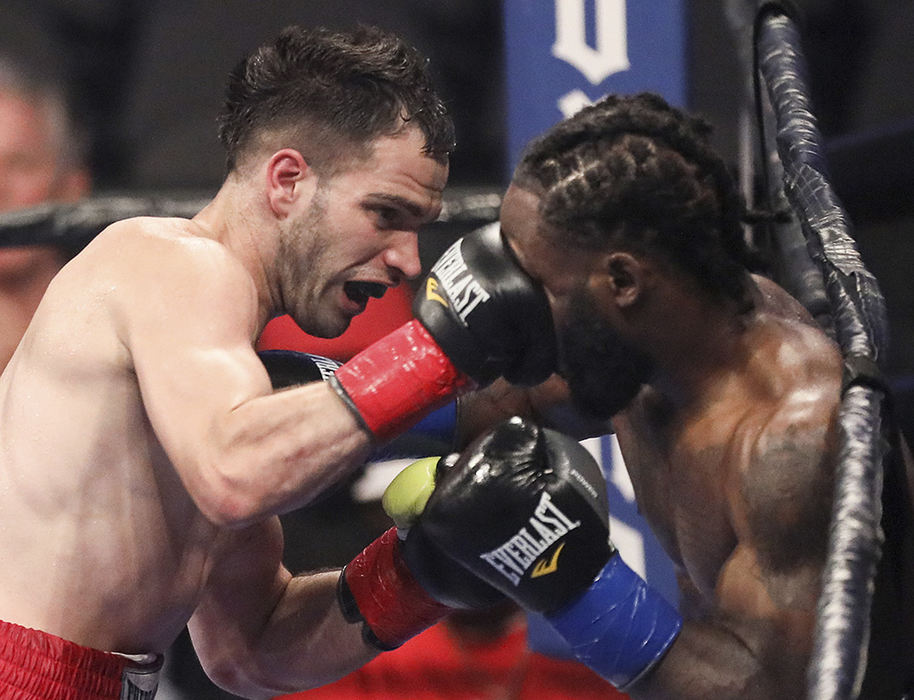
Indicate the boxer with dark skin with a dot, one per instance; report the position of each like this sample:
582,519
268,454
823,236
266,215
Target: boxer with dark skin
722,392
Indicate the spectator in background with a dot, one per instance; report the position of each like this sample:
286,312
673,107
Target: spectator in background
42,159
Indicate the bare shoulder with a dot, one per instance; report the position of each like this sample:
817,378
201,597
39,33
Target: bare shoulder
784,481
158,246
787,445
774,299
163,266
802,354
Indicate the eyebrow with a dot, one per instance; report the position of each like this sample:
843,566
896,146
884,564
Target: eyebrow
396,200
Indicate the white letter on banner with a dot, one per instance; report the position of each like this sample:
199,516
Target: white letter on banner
611,54
572,102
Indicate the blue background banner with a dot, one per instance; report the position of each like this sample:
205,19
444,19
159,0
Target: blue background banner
562,54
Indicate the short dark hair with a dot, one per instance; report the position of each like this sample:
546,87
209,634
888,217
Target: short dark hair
635,173
334,91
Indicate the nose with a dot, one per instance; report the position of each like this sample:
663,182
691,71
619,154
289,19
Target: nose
403,254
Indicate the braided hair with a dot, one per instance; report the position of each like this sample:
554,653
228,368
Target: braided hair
634,173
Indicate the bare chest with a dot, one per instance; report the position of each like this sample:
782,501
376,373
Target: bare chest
86,486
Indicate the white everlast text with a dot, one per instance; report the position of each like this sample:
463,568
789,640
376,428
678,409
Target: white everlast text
514,557
464,292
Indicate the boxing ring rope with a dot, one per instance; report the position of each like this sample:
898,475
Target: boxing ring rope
856,318
860,328
74,225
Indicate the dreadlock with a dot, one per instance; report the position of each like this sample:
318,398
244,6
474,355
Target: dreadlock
632,172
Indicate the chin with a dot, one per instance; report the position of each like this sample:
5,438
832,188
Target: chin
326,328
329,333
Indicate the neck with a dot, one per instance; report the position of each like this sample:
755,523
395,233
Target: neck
693,343
234,218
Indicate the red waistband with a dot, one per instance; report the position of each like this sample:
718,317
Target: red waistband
35,665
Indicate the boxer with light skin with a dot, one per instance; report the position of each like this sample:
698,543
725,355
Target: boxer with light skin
144,456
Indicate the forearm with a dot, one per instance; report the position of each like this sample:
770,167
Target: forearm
727,662
548,404
277,453
625,631
304,643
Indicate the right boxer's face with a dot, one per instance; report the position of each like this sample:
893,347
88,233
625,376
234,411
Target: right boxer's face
604,372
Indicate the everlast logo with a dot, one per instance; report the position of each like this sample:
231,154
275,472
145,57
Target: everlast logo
326,366
547,525
451,275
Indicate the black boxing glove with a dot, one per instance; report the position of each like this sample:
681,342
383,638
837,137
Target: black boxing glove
487,314
519,501
404,500
525,509
479,315
291,368
399,585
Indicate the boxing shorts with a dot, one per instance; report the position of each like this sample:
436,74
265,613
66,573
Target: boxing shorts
35,665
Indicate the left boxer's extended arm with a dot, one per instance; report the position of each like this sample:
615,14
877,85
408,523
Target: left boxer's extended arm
259,631
244,452
186,327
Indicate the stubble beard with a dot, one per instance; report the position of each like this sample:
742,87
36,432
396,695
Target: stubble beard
304,262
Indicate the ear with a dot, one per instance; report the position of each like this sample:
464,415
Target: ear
288,178
627,278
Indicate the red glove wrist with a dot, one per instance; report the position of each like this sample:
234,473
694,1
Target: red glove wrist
378,589
398,380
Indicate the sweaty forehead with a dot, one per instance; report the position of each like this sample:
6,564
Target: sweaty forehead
399,168
544,257
520,222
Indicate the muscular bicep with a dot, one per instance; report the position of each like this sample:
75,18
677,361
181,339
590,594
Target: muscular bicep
189,331
260,632
242,451
242,589
781,512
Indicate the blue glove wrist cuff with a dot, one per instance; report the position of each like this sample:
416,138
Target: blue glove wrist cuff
619,627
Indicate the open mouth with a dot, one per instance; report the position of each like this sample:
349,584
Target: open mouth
360,292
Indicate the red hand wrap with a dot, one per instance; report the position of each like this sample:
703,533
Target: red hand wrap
391,602
398,380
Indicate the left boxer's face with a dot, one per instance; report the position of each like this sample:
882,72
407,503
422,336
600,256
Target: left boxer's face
604,372
360,233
